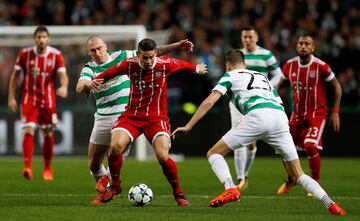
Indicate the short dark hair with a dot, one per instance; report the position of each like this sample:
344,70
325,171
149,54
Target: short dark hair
147,44
306,34
41,28
234,56
249,28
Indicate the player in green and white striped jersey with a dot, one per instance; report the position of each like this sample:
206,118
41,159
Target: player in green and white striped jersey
111,99
264,119
263,61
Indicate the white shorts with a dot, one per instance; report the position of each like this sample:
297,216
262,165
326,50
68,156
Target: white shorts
266,124
101,132
235,115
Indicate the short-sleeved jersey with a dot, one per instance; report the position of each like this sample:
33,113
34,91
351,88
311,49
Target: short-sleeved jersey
148,96
39,75
264,62
248,90
308,84
112,98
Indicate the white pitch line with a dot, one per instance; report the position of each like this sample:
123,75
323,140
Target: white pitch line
192,196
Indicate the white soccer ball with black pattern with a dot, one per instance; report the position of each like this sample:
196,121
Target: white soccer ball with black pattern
140,195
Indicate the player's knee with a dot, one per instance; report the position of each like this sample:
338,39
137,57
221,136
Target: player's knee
211,152
162,156
311,149
117,147
252,146
29,131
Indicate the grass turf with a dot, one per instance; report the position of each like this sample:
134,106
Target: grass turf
68,197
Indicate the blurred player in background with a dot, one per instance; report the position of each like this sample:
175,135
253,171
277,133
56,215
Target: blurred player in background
111,100
263,61
39,66
145,113
309,76
264,119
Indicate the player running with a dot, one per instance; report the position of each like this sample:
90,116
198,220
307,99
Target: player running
265,119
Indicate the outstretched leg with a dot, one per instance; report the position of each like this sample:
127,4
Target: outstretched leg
295,171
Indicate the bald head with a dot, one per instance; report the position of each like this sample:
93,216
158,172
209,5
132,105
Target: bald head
97,49
94,38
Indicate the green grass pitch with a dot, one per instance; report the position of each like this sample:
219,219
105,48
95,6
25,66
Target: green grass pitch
68,197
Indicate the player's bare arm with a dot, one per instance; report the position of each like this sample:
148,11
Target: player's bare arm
96,83
183,45
62,91
83,86
12,88
201,69
334,117
204,107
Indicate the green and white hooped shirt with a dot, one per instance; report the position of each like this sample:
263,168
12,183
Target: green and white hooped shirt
248,90
264,62
113,95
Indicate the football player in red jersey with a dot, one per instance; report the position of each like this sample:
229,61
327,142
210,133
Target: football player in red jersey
145,113
39,66
308,76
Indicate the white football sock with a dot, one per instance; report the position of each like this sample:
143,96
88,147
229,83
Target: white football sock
221,170
97,175
249,160
240,156
315,189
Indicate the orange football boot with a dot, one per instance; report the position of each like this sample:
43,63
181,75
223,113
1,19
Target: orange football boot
232,194
335,209
27,173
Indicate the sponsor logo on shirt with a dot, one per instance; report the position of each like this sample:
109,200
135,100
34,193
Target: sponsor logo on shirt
110,84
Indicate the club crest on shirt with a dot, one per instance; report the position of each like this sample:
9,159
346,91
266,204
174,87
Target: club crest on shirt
293,74
312,74
49,63
35,71
158,74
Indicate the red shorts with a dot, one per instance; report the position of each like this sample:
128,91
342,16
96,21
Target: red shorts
307,131
135,126
44,116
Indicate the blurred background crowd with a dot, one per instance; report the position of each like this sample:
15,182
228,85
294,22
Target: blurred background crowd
214,26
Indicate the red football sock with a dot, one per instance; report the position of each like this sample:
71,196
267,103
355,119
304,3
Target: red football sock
314,161
170,171
115,164
48,150
28,149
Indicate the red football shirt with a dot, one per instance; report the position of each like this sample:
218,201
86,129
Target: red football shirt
148,95
308,86
39,75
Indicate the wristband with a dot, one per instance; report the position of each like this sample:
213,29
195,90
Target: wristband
336,110
197,69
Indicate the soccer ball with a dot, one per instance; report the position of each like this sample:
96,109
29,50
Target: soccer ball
140,195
